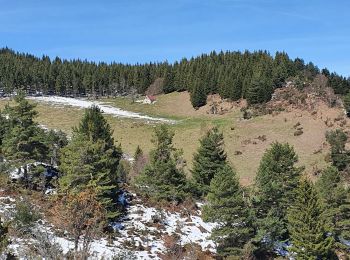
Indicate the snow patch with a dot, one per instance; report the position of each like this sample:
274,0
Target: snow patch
110,110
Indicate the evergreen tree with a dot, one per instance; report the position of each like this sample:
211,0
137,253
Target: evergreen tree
346,101
228,207
276,181
198,95
308,225
337,200
209,159
138,153
91,160
161,179
260,89
3,237
339,155
24,141
4,126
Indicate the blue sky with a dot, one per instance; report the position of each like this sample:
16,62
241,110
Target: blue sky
133,31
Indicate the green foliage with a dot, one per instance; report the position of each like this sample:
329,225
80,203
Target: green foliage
198,96
276,181
123,170
337,200
227,73
91,160
228,207
25,216
308,225
95,127
209,159
3,237
55,141
161,178
138,153
339,155
260,89
4,126
346,101
24,141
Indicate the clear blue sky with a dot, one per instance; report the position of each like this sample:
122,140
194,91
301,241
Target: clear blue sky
155,30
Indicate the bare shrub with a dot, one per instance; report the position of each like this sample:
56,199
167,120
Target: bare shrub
82,216
297,125
156,87
174,250
45,246
298,132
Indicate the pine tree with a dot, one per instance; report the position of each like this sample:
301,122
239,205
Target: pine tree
339,155
24,141
95,127
91,160
4,126
161,179
308,225
337,200
228,207
276,181
3,237
138,153
346,101
198,95
209,159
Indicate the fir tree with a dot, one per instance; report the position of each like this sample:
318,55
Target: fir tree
276,181
3,237
346,101
339,155
24,141
95,127
138,153
91,160
4,126
308,225
228,207
209,159
161,179
198,95
337,200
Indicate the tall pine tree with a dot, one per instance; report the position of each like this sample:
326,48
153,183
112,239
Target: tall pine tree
209,159
309,225
198,94
23,141
227,206
161,179
276,181
339,155
337,200
91,160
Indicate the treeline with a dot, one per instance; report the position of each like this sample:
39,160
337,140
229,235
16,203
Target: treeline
234,75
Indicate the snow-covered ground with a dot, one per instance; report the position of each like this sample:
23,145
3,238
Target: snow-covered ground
110,110
138,233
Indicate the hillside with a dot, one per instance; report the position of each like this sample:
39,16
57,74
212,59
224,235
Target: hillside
245,140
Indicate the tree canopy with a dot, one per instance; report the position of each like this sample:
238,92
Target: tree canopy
234,75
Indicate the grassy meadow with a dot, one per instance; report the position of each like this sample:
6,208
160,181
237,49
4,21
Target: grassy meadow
245,140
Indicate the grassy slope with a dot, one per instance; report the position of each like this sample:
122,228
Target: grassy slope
194,123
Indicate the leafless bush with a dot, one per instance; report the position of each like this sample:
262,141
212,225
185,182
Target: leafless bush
298,132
